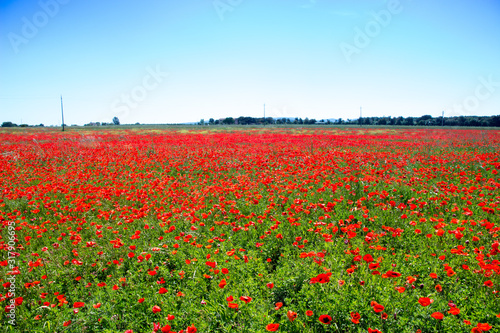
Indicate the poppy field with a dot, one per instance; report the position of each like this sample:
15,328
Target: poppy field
250,230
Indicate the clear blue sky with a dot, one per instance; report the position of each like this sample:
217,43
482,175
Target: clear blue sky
180,61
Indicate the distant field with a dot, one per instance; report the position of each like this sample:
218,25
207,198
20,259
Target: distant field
249,229
241,127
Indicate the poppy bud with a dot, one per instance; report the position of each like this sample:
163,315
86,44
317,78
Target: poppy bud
421,286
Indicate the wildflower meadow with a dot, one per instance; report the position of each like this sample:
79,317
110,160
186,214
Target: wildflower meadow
248,229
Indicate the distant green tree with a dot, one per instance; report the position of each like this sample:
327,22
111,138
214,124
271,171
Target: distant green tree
116,121
408,121
494,121
8,124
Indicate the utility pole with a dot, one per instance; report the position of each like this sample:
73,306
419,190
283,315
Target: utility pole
62,114
264,114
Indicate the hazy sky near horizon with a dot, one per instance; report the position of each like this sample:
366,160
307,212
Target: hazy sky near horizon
181,61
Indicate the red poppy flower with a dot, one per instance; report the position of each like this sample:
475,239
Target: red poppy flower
222,283
437,315
401,289
78,305
392,274
246,299
232,305
156,309
291,315
368,258
378,308
309,313
325,319
272,327
355,317
191,329
484,327
425,301
454,311
321,278
373,330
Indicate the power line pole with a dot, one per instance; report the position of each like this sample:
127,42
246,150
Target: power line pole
264,114
62,114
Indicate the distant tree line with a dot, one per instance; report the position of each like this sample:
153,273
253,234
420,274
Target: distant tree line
258,121
116,121
427,120
11,124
